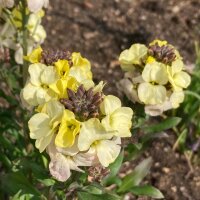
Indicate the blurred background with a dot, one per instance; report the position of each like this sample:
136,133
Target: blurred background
100,30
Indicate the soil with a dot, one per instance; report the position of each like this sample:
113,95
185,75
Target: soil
100,30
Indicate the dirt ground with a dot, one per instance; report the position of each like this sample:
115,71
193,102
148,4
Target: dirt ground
101,29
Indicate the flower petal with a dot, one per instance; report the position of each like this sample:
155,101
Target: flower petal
110,104
151,94
91,131
35,71
108,150
39,125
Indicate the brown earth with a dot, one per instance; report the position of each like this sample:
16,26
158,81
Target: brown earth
100,30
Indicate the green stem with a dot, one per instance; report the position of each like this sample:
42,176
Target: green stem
24,44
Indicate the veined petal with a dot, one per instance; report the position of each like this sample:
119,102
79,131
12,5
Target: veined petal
49,75
43,142
110,104
119,121
35,71
151,94
42,95
134,55
155,72
176,98
182,79
59,167
108,150
91,131
39,125
79,61
29,94
62,68
68,130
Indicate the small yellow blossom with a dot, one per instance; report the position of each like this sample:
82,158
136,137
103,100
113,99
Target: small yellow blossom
68,130
117,119
34,56
62,67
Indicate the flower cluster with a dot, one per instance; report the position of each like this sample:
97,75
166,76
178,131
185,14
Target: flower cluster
22,25
155,76
75,122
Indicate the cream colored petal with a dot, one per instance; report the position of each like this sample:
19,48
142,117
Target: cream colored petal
107,151
71,151
151,94
110,104
127,87
177,66
42,95
54,109
176,98
35,71
182,79
49,75
134,55
120,121
156,110
39,125
155,72
29,94
42,143
86,159
91,131
59,168
81,73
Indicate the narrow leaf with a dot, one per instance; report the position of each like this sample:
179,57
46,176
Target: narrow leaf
147,190
135,178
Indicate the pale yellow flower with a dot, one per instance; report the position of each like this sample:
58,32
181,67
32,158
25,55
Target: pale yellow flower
178,78
68,130
155,72
62,68
37,89
34,56
117,119
151,94
44,125
81,70
132,56
93,135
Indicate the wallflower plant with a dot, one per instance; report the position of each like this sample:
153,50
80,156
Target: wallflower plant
154,76
73,119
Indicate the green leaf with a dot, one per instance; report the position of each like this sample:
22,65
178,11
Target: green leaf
135,178
164,125
94,189
47,182
114,169
147,190
88,196
13,182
